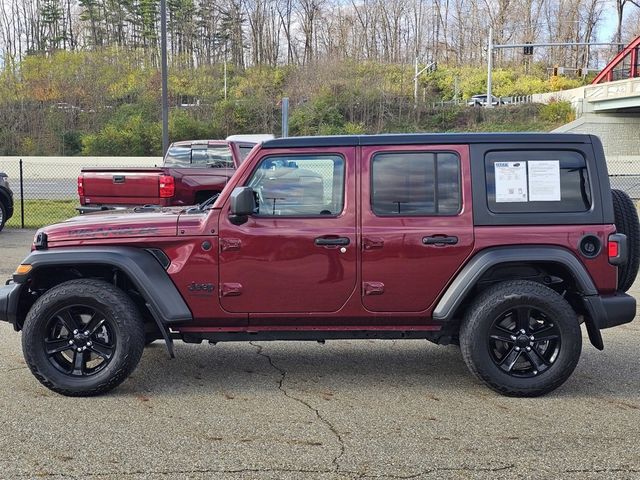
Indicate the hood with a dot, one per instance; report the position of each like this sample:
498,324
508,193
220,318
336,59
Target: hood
119,224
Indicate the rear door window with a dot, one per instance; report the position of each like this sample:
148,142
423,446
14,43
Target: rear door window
415,184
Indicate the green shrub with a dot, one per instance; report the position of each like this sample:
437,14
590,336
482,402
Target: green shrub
557,112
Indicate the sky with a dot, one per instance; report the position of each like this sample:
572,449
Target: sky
609,22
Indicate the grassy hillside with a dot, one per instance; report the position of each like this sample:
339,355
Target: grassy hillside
106,103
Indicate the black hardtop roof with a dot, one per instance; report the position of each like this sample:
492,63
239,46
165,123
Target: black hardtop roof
425,139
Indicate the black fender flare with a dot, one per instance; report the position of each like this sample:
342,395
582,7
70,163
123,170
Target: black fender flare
147,274
467,278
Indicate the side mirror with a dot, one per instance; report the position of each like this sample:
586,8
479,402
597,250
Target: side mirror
243,204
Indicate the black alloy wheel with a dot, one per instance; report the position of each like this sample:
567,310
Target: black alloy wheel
523,342
83,337
521,338
79,340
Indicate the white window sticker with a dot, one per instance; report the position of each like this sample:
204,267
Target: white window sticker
544,181
511,182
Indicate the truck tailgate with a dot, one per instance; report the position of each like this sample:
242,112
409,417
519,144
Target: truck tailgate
141,183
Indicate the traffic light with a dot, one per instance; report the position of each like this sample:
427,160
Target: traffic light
579,72
555,71
528,50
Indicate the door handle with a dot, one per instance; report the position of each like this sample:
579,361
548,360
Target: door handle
440,240
332,241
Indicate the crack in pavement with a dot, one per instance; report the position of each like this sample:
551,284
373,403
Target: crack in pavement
174,472
13,369
603,470
348,474
328,424
436,470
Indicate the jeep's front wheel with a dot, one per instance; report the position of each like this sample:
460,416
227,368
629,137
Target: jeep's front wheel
83,337
521,338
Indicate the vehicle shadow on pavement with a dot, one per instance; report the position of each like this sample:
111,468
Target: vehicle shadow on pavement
260,366
345,365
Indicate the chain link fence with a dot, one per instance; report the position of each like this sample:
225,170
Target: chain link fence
45,188
629,183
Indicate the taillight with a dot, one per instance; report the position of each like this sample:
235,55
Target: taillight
617,249
167,186
80,186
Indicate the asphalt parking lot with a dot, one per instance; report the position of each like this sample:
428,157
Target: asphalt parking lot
343,410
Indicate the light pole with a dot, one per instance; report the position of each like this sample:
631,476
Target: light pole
163,73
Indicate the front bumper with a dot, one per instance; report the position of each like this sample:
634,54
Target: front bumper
9,298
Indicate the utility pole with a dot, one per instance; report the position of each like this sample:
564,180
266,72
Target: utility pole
163,68
415,84
489,102
415,80
225,77
285,117
456,88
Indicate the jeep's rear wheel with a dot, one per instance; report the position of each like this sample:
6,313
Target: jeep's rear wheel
626,220
83,337
521,338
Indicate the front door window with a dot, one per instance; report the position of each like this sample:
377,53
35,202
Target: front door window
302,186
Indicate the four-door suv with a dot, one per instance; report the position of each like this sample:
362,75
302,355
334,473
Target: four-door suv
502,243
6,200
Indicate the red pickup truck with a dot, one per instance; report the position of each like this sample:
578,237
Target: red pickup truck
192,172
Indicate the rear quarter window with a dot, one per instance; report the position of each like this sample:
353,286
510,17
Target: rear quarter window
544,181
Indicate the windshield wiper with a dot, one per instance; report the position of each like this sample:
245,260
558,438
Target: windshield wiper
207,202
201,206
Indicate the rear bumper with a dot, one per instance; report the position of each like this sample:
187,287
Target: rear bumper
9,298
611,310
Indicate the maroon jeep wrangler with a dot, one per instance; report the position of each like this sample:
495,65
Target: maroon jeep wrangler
503,244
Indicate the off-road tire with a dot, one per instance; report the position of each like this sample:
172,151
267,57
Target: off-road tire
626,220
3,215
489,305
127,325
